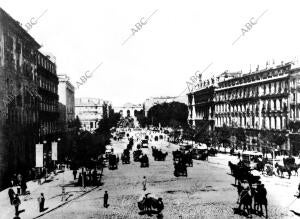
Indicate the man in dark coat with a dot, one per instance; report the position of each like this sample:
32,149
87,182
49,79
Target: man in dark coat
262,198
16,203
23,186
105,205
41,200
79,183
95,177
11,195
74,174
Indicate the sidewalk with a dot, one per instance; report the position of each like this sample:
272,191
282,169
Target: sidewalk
52,189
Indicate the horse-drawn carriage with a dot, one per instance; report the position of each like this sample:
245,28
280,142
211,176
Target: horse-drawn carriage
144,161
112,162
150,202
180,168
137,155
144,143
158,154
199,154
184,157
187,159
176,155
241,172
125,157
212,151
252,158
289,165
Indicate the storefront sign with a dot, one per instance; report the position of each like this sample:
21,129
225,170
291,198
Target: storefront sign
39,155
54,150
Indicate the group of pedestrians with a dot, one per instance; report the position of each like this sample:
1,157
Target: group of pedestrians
16,202
253,199
19,181
86,178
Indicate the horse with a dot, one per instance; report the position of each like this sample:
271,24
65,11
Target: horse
281,169
246,200
295,168
260,166
232,167
149,203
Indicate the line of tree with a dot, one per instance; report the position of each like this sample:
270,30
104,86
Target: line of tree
172,114
89,145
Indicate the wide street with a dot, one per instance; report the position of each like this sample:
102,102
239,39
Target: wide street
207,192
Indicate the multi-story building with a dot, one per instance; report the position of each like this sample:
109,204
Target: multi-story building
66,92
262,101
129,110
201,106
90,112
48,105
19,121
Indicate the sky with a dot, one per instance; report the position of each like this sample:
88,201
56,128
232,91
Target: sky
141,49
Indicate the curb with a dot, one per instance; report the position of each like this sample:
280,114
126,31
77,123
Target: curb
66,202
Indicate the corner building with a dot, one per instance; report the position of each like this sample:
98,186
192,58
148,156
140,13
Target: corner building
266,100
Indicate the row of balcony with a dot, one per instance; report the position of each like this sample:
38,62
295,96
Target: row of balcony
256,112
248,95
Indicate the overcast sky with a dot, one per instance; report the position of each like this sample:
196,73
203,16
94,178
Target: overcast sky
180,38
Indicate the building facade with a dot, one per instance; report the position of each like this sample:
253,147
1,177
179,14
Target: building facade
19,121
128,110
48,105
66,92
259,102
90,112
201,106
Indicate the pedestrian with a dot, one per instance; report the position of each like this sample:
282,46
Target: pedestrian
16,203
12,182
105,205
74,174
84,179
23,186
11,194
262,198
144,183
239,190
41,201
95,177
79,180
19,178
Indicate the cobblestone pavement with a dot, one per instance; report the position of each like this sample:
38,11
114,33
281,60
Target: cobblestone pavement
207,192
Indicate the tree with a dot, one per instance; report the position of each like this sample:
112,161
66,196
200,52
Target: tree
279,139
141,118
174,124
267,141
166,112
189,133
224,135
240,137
203,136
